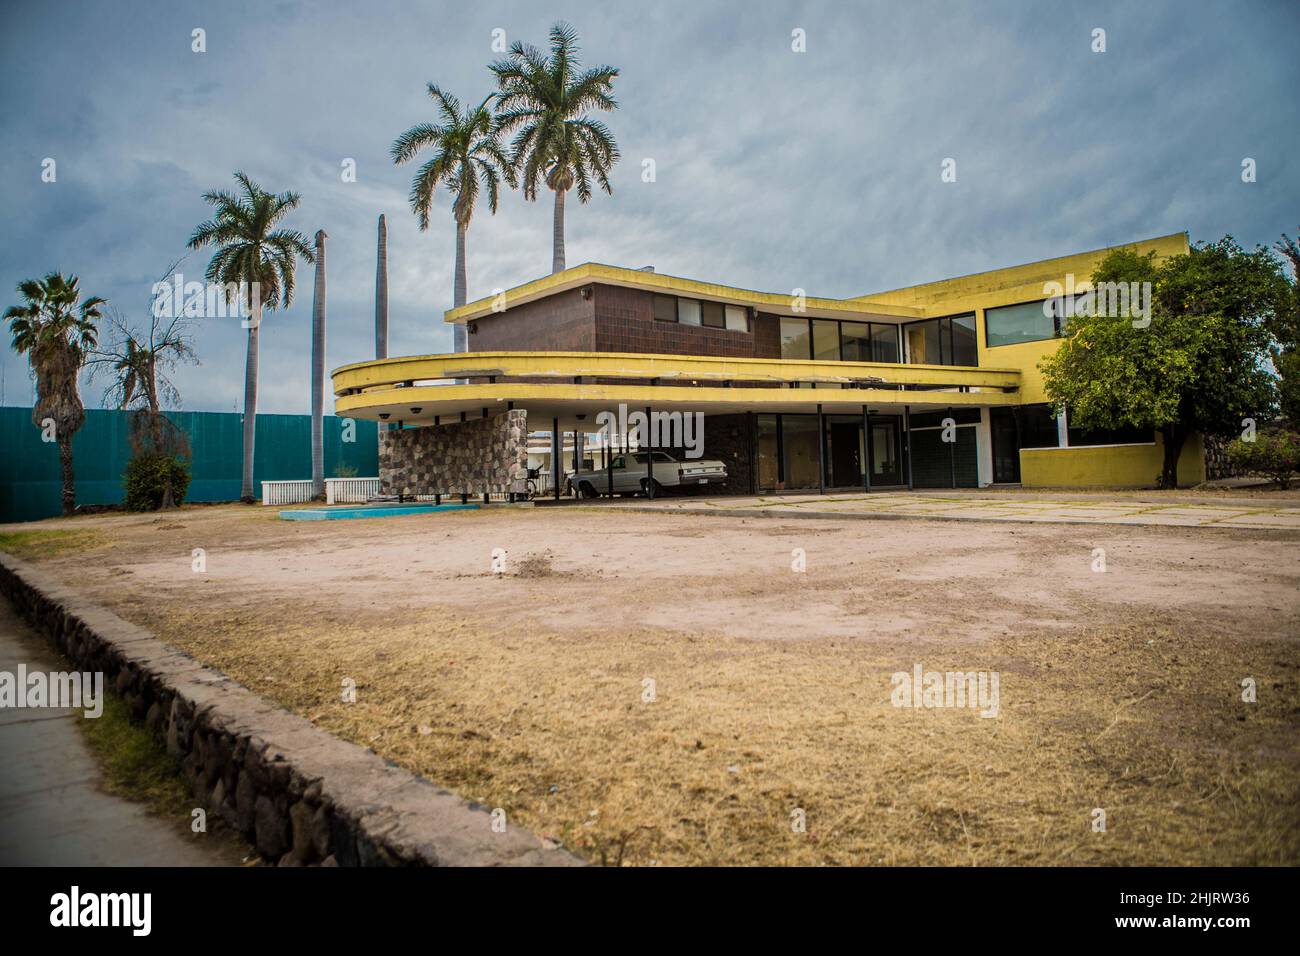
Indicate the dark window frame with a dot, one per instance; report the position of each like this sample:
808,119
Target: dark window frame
1056,322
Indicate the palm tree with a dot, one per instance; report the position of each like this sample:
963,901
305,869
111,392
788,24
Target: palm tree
56,330
258,260
546,99
467,152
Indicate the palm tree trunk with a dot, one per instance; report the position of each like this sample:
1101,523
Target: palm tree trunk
250,403
65,464
381,293
557,233
318,371
459,334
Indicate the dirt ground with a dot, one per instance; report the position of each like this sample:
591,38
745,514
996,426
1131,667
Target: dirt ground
667,689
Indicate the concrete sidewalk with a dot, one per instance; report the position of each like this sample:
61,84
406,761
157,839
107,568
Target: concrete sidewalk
52,812
1064,509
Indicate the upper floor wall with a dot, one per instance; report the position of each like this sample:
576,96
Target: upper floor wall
991,319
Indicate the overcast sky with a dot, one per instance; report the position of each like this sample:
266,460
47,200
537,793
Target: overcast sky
775,169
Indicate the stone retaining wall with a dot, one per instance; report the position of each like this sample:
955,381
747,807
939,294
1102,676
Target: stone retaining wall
301,795
470,457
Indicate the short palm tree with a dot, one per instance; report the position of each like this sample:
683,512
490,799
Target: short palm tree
546,99
260,260
467,157
56,330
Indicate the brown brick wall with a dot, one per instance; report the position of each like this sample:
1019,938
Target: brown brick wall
558,323
616,319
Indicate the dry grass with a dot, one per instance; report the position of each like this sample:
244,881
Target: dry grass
553,728
479,682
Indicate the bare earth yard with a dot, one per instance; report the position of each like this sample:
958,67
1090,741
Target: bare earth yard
527,689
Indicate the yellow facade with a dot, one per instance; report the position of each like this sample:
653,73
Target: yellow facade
561,386
1108,466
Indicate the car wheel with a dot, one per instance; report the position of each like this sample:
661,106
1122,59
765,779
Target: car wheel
588,491
645,487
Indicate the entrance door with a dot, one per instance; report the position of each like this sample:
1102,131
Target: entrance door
844,451
1006,445
886,451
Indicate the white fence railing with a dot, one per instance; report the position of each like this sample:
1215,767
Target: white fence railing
350,491
286,492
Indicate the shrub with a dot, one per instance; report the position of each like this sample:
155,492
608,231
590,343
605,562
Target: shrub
1273,454
146,481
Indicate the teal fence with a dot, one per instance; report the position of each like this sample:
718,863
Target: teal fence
31,486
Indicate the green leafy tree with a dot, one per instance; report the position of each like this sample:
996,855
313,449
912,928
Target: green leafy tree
1199,366
545,101
1286,329
56,330
467,157
252,252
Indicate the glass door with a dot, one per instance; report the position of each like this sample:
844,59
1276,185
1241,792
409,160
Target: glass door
886,451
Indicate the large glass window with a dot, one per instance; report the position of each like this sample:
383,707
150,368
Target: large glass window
884,343
737,318
965,350
666,308
801,442
1027,322
711,314
924,343
795,340
826,340
688,311
856,340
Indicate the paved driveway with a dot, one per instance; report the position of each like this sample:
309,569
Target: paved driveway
1183,512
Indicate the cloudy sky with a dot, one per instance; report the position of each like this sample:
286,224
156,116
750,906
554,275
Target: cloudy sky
775,169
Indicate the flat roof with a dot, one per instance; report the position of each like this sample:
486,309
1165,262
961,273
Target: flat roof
902,304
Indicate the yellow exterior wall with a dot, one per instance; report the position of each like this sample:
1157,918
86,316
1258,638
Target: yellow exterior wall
1113,466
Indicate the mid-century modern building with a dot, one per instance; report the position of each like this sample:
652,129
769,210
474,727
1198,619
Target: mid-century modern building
797,393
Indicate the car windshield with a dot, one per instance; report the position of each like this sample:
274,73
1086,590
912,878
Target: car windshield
639,458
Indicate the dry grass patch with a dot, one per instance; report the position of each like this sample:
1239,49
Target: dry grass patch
553,728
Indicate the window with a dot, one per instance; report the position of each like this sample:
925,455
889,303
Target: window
965,351
666,308
688,311
795,340
856,341
924,343
737,318
712,315
1027,322
826,340
1037,427
884,343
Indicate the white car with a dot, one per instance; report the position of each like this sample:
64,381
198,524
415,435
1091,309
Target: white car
629,471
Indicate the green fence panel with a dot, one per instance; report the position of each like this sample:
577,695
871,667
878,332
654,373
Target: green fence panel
31,486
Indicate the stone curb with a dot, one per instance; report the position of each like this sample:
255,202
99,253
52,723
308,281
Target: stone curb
301,795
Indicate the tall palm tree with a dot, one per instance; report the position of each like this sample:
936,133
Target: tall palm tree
253,256
467,154
546,98
56,331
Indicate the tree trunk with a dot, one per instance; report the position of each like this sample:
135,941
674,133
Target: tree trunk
1174,438
250,403
557,233
318,372
381,293
65,464
459,331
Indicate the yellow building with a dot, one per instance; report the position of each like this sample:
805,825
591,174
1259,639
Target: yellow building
935,385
